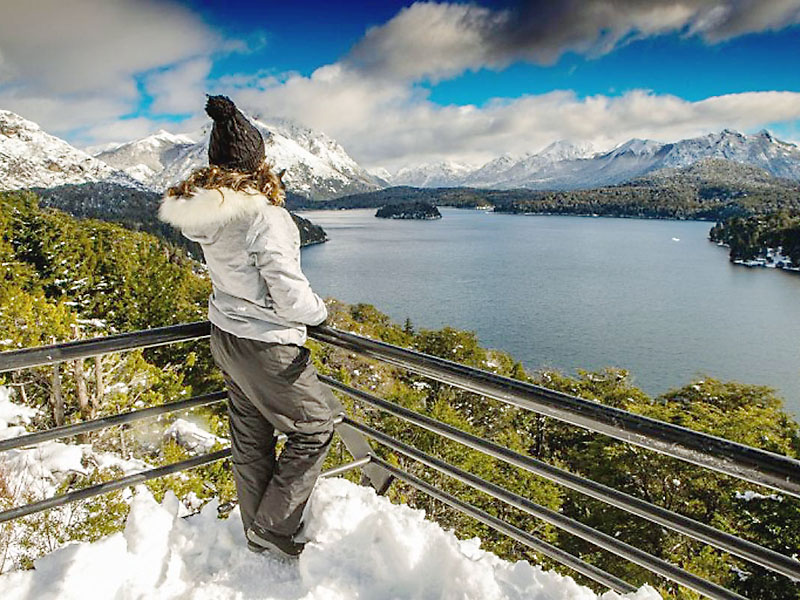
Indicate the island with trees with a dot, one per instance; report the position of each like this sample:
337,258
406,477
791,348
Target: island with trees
423,211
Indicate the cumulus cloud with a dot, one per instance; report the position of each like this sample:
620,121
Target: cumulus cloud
71,64
86,79
391,125
180,89
439,40
368,100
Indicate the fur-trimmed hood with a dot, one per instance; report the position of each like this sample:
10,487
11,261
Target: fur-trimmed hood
208,210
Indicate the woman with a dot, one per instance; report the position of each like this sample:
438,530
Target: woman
259,308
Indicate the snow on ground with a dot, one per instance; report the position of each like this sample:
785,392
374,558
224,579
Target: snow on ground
192,436
13,417
360,546
40,470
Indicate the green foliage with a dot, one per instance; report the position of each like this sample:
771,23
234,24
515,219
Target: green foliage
130,279
749,414
750,237
24,540
711,190
198,485
57,273
61,278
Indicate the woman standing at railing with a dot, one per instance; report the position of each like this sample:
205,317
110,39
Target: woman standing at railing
259,308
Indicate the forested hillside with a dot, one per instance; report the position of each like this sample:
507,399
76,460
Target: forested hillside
710,190
137,209
755,237
63,278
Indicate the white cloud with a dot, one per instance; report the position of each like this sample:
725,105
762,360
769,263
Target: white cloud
73,65
96,45
388,124
439,40
368,100
180,89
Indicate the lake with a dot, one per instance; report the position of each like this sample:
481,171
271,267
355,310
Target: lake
654,297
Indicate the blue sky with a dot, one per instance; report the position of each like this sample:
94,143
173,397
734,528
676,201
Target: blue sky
401,82
306,35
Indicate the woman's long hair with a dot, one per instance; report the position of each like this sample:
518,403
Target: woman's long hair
261,181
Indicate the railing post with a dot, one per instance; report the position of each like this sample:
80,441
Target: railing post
356,443
56,396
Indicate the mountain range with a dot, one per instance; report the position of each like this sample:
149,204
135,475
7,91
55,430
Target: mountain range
568,166
318,168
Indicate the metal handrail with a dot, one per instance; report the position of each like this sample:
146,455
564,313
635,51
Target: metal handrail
598,538
700,531
751,464
137,478
745,462
110,486
539,545
26,358
105,422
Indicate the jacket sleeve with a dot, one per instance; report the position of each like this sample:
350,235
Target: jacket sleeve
274,242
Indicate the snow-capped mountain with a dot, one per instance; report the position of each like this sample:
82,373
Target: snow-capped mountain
510,171
142,159
434,175
763,150
29,157
316,165
564,165
319,168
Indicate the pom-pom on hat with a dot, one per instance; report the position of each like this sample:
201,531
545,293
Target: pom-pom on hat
235,142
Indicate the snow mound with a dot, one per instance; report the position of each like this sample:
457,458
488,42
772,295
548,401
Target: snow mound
36,472
192,436
13,416
360,546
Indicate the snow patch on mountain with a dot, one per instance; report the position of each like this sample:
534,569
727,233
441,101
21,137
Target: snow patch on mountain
316,165
440,174
142,159
30,157
566,165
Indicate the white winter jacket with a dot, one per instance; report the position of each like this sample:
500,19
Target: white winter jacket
252,249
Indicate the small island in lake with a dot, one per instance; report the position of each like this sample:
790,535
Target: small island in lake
409,210
310,233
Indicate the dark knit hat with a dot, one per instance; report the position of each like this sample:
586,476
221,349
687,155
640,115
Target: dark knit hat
235,142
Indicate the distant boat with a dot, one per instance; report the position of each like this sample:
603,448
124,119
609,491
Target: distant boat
676,239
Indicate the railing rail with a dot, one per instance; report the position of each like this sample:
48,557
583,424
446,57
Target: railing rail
747,463
600,539
564,558
55,433
26,358
738,460
700,531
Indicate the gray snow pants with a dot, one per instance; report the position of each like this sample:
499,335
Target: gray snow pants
274,387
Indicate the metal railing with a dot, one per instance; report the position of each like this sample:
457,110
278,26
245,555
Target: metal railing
744,462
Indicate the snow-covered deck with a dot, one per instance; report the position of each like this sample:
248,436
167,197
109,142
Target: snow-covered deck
360,546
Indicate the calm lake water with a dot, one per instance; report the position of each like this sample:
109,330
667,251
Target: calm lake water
654,297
